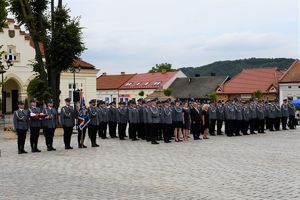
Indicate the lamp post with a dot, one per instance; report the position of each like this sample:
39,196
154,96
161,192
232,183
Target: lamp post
75,70
3,69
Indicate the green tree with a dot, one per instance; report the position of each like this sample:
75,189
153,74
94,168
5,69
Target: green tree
3,13
212,96
168,92
258,94
56,36
39,90
141,93
162,67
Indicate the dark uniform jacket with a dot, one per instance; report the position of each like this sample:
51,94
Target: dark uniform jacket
212,112
112,114
238,112
154,114
122,115
92,112
51,121
285,110
177,114
20,119
134,116
220,112
67,116
33,121
260,112
166,115
246,113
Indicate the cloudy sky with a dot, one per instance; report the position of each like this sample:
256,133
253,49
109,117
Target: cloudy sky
134,35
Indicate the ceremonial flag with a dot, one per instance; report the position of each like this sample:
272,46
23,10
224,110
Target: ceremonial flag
83,117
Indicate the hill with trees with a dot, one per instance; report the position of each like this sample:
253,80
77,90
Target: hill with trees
233,67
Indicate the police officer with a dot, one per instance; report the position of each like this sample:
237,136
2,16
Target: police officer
148,121
246,118
133,115
50,123
93,125
260,117
112,120
122,119
99,114
238,118
220,117
230,117
212,113
35,124
20,121
272,115
141,125
278,116
253,116
160,125
292,110
155,121
104,117
67,119
284,113
166,117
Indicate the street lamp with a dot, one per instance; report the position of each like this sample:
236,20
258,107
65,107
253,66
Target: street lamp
3,69
74,71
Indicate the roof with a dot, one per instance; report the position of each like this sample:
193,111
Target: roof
83,64
148,80
292,75
250,80
109,82
196,87
160,95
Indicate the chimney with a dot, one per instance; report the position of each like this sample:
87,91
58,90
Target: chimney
122,73
104,73
197,75
212,74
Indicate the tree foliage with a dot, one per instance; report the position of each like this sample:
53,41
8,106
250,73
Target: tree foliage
168,92
161,67
232,68
3,12
57,37
141,93
258,94
212,96
38,89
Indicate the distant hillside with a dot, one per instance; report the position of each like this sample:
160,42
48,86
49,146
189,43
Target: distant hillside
231,68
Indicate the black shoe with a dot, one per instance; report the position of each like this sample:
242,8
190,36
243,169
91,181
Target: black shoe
238,135
23,151
53,149
20,152
154,142
103,138
49,149
80,147
68,147
83,146
213,134
122,139
168,141
220,134
135,139
95,145
245,133
196,138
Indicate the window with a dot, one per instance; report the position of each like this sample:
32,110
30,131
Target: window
156,83
71,90
10,55
146,83
138,83
299,86
121,99
289,86
114,99
128,84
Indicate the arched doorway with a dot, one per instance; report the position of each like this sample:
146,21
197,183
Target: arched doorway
11,93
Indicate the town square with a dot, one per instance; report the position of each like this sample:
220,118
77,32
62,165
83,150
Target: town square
149,99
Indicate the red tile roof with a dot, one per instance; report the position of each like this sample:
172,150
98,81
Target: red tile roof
251,80
292,75
83,64
148,80
112,82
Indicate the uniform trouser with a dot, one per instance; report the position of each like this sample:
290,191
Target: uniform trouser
34,137
160,131
100,131
267,123
261,125
277,123
237,126
92,131
21,138
68,131
81,136
253,123
271,124
196,129
284,122
147,128
245,126
133,128
112,129
122,130
212,126
219,126
292,122
226,126
141,130
104,129
167,128
49,134
230,127
154,131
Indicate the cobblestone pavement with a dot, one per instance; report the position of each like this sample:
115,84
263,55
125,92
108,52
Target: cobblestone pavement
248,167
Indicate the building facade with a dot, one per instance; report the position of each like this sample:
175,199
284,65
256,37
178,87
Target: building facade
18,48
289,83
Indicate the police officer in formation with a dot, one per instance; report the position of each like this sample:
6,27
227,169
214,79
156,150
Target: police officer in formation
150,120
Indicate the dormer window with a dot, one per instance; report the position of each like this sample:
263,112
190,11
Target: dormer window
147,83
138,83
128,84
156,83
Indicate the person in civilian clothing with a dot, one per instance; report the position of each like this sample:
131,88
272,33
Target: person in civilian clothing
220,117
35,124
284,113
20,121
196,119
50,123
205,121
67,120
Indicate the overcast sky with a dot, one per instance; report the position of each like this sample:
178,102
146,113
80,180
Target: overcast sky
134,35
